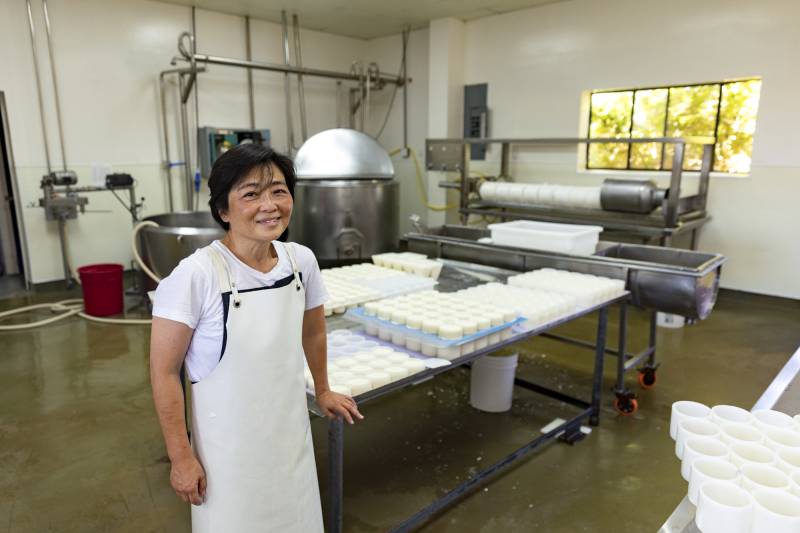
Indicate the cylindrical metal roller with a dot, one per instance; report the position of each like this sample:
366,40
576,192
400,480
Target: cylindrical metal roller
631,196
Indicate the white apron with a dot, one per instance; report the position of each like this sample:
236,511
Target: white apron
250,424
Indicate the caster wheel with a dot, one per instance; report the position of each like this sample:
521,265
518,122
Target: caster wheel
647,378
626,405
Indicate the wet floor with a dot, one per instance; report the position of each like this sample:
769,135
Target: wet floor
80,447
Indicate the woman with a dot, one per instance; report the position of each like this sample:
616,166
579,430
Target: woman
237,317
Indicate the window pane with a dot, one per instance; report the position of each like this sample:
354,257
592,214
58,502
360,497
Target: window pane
611,117
649,112
737,124
692,111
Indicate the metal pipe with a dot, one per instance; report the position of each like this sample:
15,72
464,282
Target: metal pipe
167,159
187,171
286,68
338,103
287,89
301,94
55,85
196,163
187,88
250,95
39,89
62,236
406,35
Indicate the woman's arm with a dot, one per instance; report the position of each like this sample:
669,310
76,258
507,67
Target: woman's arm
169,342
316,349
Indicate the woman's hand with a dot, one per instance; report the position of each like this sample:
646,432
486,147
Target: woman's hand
189,479
334,404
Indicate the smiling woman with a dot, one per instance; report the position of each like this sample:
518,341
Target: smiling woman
239,316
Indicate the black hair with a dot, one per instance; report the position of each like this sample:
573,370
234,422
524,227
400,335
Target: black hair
235,164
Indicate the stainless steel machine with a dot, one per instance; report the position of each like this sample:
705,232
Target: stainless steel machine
628,210
346,200
177,235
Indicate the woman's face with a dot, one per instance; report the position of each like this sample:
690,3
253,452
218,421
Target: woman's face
259,208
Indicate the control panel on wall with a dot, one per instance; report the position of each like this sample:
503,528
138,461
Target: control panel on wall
476,116
214,142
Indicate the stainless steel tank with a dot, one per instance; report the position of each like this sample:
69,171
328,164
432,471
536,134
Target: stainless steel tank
346,200
178,236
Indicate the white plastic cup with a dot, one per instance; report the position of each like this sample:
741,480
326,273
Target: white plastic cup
724,507
734,433
754,477
685,409
693,427
747,453
722,414
710,469
781,439
765,419
796,419
775,511
698,447
788,460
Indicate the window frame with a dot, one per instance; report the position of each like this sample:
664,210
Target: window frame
661,168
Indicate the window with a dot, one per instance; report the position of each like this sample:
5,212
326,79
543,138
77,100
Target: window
726,111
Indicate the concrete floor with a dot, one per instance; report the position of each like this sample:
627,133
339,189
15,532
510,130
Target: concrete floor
80,448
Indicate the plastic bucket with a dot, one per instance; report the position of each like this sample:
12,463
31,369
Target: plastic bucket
492,382
102,289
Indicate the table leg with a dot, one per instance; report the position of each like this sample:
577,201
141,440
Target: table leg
335,473
599,356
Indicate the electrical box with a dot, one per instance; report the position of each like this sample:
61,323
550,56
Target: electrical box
213,142
476,117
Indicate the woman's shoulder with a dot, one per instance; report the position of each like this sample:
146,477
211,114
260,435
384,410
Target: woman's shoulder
304,254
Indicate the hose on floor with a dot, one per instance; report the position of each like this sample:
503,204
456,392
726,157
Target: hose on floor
65,309
74,306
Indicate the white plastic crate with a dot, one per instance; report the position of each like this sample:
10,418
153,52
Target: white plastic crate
562,238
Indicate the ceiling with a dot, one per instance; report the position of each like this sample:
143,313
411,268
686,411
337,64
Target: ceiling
363,19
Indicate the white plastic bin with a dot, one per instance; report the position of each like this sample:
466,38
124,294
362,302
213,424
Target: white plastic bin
492,382
563,238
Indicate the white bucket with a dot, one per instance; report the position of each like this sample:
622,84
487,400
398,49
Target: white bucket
492,382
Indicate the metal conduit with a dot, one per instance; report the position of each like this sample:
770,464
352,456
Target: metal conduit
301,94
55,85
39,88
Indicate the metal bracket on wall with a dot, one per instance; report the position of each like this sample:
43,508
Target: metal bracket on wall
444,156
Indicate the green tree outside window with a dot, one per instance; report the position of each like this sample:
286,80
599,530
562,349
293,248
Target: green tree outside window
725,110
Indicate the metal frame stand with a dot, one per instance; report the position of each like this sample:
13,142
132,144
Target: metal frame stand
626,400
568,431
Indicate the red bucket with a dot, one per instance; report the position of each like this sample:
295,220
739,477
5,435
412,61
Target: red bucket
102,289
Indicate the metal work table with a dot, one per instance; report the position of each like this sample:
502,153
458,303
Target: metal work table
782,394
455,276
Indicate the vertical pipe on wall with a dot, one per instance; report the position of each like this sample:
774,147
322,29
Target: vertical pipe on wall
39,88
196,161
338,103
250,95
55,84
287,86
301,93
167,159
406,34
187,168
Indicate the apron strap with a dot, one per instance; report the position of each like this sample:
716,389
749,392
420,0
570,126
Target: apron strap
226,282
290,252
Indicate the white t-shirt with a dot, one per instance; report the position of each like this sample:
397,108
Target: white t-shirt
191,295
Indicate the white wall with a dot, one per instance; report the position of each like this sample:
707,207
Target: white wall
538,62
108,55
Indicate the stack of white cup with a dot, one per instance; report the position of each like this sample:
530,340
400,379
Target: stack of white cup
743,468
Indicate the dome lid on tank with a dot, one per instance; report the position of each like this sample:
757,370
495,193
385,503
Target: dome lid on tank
342,153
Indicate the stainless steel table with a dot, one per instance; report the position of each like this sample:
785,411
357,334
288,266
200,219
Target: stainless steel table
455,276
783,394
